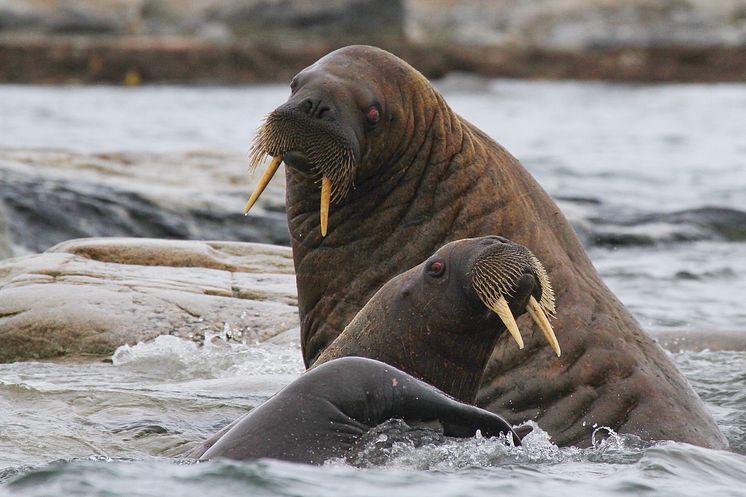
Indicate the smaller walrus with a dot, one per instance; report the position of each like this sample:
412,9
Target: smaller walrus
440,320
322,414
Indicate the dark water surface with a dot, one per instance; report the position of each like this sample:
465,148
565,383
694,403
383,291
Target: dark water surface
654,180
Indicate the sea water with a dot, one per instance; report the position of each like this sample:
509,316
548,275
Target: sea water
654,180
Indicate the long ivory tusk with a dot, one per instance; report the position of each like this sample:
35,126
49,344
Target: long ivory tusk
501,308
326,195
540,318
271,170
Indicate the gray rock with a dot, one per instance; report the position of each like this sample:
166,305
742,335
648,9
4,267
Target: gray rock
704,223
90,17
353,17
577,24
48,197
699,340
5,248
88,297
545,24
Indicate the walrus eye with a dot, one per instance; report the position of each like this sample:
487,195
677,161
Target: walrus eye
293,85
436,268
372,115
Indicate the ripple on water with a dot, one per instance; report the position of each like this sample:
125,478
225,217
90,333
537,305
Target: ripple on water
661,469
719,377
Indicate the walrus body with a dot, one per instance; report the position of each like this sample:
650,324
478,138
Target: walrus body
414,176
324,413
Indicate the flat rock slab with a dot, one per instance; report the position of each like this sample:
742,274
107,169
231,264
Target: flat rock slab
90,296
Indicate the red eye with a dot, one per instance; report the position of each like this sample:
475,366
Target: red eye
436,268
372,115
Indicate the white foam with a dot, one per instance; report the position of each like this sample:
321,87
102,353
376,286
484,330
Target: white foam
177,358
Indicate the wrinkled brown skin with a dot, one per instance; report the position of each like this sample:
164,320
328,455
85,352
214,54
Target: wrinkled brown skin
425,176
435,328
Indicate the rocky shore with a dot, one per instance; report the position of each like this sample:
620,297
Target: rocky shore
88,297
136,41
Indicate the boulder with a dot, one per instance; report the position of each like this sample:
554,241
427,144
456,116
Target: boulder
90,17
90,296
577,24
5,248
50,196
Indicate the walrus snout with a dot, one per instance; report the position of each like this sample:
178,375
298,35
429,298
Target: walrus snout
307,137
504,271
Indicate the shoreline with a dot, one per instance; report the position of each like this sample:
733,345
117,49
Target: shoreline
134,60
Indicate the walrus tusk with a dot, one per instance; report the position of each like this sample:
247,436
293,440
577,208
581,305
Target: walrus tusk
271,170
326,195
501,308
540,318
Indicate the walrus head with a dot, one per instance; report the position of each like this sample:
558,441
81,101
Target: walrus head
441,319
340,124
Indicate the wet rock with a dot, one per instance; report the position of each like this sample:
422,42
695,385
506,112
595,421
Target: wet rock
90,296
73,17
238,41
681,340
562,25
188,17
5,248
48,197
358,17
705,223
578,24
729,224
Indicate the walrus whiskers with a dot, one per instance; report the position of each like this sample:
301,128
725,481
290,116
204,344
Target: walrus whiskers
327,154
493,281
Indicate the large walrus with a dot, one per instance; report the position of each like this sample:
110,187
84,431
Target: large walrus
381,172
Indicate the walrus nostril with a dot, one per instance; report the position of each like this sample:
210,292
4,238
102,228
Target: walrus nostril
323,112
315,108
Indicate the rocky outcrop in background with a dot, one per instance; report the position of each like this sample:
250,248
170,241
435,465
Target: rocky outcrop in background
269,40
547,24
51,196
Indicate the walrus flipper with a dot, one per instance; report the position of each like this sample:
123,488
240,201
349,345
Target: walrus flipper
324,413
394,394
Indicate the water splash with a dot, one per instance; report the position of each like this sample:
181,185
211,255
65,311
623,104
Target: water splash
218,357
396,444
